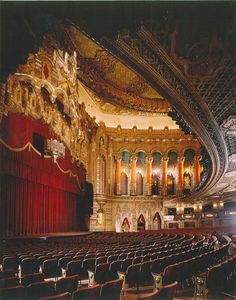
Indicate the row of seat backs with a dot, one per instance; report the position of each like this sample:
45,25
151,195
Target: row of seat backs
183,269
32,265
217,275
10,262
40,290
126,247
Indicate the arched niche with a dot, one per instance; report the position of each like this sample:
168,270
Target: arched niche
125,225
141,224
188,171
139,184
45,94
123,183
171,172
140,172
156,225
156,173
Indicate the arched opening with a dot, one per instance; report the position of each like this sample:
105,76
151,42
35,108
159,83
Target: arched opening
188,171
156,171
124,184
187,183
156,221
141,223
155,185
139,184
171,172
170,185
46,95
125,225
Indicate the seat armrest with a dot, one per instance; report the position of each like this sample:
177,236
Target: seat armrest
91,277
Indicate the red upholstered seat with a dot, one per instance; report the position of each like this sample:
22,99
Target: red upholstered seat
111,289
31,278
11,262
7,273
13,293
87,293
165,293
29,265
67,284
8,282
40,289
63,296
51,269
100,275
74,268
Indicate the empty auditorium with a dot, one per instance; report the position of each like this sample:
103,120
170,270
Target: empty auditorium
117,150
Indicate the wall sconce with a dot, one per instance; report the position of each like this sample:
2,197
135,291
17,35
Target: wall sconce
54,148
179,210
214,205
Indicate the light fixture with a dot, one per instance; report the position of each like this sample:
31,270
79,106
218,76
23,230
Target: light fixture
54,148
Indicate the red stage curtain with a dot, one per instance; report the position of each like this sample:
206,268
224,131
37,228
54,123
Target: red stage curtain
36,197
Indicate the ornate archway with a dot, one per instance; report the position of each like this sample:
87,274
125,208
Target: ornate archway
124,184
156,225
125,225
141,223
139,184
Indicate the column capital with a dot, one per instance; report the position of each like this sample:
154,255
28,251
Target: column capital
118,158
149,159
197,157
133,158
165,159
180,159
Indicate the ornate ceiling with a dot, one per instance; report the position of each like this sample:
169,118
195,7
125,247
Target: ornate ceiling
149,56
117,86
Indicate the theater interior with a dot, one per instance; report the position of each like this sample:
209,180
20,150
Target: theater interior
118,150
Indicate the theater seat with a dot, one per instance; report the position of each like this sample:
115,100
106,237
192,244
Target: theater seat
111,289
148,296
7,273
40,289
67,284
8,282
51,269
31,278
13,293
167,292
87,293
63,296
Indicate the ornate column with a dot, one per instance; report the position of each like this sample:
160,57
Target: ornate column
148,186
110,166
118,171
180,175
164,163
133,175
197,170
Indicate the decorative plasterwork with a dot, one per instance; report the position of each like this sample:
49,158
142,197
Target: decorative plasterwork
149,58
109,78
55,73
229,125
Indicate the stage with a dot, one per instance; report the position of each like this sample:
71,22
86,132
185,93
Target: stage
46,235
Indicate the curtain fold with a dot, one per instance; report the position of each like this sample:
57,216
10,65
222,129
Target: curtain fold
35,195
